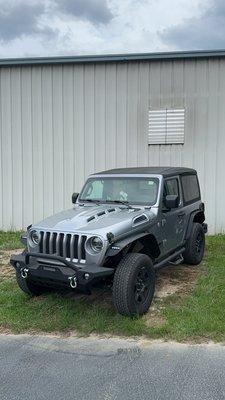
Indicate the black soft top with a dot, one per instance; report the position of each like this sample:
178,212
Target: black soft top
164,171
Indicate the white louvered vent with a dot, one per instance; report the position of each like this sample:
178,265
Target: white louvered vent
166,126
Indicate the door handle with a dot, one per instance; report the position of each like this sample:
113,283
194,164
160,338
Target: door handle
163,222
181,214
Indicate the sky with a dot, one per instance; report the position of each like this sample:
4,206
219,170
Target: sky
30,28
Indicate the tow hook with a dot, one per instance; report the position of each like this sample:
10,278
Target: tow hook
73,282
24,272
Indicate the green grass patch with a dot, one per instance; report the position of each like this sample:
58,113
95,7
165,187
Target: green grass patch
10,240
202,314
198,315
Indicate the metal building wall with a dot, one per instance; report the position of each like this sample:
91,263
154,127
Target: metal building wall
59,123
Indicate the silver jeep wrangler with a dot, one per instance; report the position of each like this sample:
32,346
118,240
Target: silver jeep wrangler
124,224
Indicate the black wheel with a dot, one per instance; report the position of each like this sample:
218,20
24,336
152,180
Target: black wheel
28,287
134,284
195,246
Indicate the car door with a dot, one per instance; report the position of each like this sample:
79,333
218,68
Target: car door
173,221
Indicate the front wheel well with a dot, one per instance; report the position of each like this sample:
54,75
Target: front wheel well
145,245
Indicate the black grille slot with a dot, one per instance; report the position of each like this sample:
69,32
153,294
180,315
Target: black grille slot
41,242
47,242
76,246
83,240
54,243
111,210
61,236
68,238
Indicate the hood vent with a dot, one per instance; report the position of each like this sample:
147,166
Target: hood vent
91,218
140,219
100,213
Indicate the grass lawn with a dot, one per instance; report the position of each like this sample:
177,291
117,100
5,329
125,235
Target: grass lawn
197,314
10,240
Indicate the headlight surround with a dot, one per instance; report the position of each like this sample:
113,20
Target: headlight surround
34,237
96,244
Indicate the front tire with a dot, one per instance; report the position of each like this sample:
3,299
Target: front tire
195,246
134,284
27,286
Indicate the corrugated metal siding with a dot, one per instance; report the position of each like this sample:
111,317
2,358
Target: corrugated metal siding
59,123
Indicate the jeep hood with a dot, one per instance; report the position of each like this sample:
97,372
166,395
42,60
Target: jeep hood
97,220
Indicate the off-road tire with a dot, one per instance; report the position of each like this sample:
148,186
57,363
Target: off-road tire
125,282
28,287
195,246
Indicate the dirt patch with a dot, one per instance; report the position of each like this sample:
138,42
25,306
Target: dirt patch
170,280
6,270
173,279
153,318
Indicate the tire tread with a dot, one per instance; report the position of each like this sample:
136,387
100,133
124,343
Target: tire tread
189,256
122,280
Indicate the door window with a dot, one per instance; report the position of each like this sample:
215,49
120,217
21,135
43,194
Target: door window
171,186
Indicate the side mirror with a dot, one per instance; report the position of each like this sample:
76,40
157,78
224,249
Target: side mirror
74,197
171,201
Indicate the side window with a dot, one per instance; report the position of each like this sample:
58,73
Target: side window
190,187
171,186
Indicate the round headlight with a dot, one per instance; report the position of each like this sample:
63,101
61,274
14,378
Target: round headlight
34,237
96,244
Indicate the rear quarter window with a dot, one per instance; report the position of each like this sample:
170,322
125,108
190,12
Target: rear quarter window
190,186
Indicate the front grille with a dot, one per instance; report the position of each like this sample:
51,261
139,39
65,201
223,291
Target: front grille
63,244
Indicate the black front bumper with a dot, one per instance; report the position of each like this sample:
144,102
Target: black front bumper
54,270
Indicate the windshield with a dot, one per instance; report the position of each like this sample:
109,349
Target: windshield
142,191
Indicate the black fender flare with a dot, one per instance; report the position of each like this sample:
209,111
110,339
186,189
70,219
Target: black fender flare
200,218
119,245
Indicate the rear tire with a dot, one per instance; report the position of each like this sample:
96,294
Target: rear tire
195,246
134,284
28,287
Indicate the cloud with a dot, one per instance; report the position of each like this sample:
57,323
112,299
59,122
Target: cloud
206,31
70,27
19,19
95,11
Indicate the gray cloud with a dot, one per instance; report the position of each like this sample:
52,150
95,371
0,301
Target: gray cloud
95,11
20,19
204,32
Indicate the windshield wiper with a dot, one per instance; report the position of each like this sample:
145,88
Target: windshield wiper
124,202
97,202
